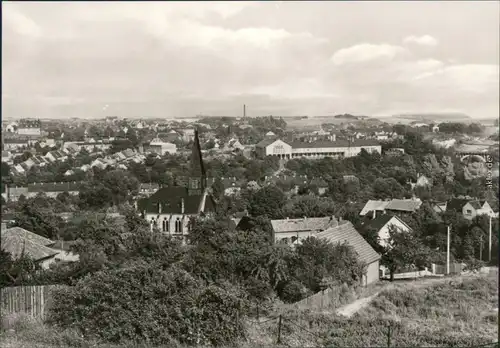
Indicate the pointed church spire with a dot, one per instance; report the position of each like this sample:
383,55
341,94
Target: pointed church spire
197,167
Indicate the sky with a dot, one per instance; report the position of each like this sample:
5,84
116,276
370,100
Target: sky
181,59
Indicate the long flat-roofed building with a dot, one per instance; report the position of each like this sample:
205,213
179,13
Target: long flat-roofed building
315,149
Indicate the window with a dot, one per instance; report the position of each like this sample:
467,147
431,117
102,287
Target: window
165,224
178,226
468,212
152,223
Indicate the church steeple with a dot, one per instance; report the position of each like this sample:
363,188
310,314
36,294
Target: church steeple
198,176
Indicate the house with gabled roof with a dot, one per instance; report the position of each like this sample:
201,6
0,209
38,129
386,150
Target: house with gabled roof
382,223
470,208
292,231
346,233
320,184
374,205
405,206
18,242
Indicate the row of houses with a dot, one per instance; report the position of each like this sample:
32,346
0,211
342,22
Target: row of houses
51,189
470,208
41,161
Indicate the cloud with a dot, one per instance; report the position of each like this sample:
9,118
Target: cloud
18,22
366,52
470,78
425,40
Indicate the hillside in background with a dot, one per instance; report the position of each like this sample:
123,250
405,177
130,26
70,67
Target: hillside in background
429,118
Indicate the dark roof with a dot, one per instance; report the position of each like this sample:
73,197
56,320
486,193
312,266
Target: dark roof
170,199
475,204
456,204
381,220
318,182
347,233
266,142
54,187
337,143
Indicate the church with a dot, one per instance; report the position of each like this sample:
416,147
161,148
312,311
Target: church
170,209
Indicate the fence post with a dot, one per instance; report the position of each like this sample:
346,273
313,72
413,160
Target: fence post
279,331
389,336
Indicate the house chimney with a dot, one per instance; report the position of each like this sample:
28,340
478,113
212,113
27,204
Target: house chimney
182,205
374,214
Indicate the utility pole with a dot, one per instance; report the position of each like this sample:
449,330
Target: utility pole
448,250
489,246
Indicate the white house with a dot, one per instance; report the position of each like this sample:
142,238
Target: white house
383,223
471,208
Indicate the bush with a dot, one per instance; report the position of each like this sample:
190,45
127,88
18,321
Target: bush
146,303
293,291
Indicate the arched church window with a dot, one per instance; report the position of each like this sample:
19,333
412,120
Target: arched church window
165,224
178,226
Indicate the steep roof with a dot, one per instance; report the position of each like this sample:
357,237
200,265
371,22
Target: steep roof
305,224
476,204
25,234
347,233
382,220
373,205
170,199
404,204
265,142
17,245
456,204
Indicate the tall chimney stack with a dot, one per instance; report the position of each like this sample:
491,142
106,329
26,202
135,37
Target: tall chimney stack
244,111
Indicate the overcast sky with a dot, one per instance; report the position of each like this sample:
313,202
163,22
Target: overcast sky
134,59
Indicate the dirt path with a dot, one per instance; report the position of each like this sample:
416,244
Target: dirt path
352,308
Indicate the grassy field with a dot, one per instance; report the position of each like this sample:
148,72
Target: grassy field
452,312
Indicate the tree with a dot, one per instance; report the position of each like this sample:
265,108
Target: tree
404,250
38,217
268,201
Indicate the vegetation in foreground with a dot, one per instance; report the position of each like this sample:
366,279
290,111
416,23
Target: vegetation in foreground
454,313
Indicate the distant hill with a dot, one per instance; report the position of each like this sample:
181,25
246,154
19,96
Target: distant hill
457,117
351,117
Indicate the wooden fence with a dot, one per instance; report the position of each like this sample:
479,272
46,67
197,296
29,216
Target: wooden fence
32,300
455,268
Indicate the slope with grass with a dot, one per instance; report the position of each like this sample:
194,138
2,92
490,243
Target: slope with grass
452,312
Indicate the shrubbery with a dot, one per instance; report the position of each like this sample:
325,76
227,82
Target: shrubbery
146,303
